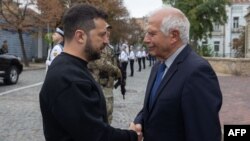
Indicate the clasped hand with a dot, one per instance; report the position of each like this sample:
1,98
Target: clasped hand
138,129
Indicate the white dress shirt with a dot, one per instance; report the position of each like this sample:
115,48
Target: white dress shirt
139,54
123,57
131,55
144,53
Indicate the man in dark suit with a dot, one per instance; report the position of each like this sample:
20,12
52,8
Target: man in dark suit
183,96
72,104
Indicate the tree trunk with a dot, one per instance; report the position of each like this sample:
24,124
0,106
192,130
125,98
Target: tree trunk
25,60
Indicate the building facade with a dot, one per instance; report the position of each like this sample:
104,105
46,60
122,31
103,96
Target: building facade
34,45
224,37
32,35
247,34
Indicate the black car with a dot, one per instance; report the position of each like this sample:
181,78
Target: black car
10,68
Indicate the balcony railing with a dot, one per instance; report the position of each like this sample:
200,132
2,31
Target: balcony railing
237,30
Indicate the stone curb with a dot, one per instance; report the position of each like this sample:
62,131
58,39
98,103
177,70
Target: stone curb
34,67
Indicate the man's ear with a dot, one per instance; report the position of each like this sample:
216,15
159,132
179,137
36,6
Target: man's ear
175,35
80,36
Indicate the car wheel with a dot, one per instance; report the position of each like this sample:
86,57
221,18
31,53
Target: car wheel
12,75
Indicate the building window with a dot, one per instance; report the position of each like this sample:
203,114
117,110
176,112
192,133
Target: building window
216,27
216,46
236,22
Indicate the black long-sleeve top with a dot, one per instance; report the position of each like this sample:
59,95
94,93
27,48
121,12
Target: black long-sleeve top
73,106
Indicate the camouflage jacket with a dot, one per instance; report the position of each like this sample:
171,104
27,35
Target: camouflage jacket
105,70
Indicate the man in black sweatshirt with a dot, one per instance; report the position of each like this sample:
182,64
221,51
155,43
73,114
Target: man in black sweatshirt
72,104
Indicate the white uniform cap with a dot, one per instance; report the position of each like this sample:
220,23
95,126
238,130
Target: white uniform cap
59,31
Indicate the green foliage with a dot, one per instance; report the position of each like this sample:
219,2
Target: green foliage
205,50
48,38
201,14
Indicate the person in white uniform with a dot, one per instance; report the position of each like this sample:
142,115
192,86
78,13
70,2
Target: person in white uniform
58,39
123,59
139,57
131,60
144,55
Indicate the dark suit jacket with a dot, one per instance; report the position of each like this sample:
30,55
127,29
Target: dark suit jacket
187,103
73,106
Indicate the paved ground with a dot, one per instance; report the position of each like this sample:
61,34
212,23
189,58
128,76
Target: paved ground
236,98
126,110
20,118
235,107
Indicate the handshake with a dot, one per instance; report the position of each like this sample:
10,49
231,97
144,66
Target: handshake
138,129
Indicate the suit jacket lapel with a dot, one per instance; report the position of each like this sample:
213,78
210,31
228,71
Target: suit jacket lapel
150,84
170,73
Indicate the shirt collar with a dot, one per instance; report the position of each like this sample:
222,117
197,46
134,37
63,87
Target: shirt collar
171,59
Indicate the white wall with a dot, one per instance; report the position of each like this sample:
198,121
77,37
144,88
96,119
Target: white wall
226,37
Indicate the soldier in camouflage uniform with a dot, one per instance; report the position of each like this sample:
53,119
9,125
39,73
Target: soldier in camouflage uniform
105,72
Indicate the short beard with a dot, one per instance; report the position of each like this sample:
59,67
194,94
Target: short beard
90,52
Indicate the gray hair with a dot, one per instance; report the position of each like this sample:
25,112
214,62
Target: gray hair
176,22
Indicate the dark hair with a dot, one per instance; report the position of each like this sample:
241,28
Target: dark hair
81,17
